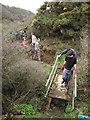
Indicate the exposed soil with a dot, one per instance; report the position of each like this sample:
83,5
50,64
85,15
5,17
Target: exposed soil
57,108
47,56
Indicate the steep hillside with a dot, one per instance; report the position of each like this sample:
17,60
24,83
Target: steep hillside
24,79
20,74
12,14
64,22
15,20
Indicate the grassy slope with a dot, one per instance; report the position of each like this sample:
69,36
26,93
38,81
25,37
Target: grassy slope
13,13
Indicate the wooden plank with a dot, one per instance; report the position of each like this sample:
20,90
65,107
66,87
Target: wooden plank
60,78
56,91
58,81
59,95
56,78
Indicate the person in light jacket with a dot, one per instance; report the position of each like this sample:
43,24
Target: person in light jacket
37,50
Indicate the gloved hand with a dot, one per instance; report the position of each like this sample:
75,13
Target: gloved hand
73,68
63,66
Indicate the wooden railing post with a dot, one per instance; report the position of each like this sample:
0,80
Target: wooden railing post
52,71
75,85
74,88
73,93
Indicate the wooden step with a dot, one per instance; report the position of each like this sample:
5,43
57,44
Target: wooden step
58,92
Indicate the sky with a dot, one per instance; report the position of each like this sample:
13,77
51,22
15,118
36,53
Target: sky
31,5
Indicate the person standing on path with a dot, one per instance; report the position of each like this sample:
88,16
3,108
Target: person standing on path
24,43
16,34
33,38
37,50
32,45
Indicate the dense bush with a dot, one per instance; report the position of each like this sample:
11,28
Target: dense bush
20,76
64,20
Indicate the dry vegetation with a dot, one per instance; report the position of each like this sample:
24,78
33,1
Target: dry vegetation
20,75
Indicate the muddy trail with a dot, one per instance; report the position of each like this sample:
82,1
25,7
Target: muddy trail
47,56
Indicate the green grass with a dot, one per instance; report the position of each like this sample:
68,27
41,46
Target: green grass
61,59
48,68
28,109
81,109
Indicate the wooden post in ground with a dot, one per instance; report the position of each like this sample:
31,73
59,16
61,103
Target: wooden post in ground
49,102
73,91
75,85
74,88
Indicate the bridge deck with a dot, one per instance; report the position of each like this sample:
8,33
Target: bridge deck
58,92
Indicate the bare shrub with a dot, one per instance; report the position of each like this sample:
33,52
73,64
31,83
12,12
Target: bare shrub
20,75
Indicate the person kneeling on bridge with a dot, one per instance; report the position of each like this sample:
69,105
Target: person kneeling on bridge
68,66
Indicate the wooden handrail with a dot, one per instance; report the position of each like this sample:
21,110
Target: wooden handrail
51,72
51,77
50,82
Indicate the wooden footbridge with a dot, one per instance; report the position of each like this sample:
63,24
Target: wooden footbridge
53,89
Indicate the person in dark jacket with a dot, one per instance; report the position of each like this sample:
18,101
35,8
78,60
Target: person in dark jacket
66,50
68,66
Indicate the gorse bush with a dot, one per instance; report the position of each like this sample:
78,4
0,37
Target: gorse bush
61,19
